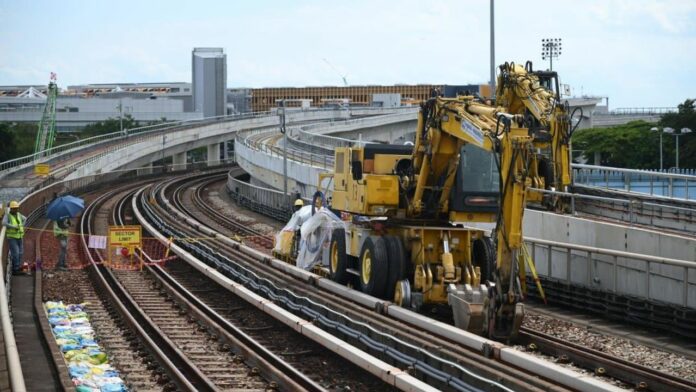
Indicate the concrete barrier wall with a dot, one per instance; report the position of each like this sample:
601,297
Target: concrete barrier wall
303,178
620,274
189,138
268,169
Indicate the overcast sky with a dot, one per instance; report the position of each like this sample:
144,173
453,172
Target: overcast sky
638,53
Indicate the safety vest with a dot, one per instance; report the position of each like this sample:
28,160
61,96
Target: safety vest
59,231
15,220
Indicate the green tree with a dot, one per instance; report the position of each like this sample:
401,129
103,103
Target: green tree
7,147
631,145
17,140
635,146
109,125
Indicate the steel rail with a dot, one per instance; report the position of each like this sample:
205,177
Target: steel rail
603,364
182,372
205,259
272,367
504,354
318,312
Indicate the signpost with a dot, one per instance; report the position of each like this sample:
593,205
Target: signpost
127,238
42,169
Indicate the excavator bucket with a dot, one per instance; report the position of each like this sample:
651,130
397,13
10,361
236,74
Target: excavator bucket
469,307
475,312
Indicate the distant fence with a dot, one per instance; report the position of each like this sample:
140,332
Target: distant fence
676,184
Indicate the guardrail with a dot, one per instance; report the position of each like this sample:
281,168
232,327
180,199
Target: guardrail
255,140
646,110
304,132
116,136
634,208
587,254
670,185
95,140
262,200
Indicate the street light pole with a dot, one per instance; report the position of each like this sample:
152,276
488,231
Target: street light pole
660,151
120,113
492,50
656,129
281,113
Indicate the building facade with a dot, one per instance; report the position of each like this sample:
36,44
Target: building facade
263,99
209,81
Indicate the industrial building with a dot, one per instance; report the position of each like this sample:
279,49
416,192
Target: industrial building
78,106
263,99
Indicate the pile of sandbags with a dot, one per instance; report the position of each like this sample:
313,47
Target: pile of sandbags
87,362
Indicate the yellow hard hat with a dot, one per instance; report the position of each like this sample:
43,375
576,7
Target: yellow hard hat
14,204
299,203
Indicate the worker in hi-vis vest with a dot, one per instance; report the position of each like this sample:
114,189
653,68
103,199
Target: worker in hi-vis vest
14,224
60,231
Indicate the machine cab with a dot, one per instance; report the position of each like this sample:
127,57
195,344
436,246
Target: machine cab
477,183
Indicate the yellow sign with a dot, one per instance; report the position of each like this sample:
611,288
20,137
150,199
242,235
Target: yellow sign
125,236
42,169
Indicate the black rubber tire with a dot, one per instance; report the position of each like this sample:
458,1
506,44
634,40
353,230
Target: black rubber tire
396,254
483,256
339,275
378,269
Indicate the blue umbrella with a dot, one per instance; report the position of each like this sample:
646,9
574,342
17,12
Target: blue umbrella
64,207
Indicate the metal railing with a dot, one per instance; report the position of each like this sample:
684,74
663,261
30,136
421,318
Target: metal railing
258,142
269,202
117,136
305,133
644,110
41,156
587,253
653,183
632,206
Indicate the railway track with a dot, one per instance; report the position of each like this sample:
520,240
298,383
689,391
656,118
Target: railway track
179,369
638,376
600,363
183,343
249,235
431,359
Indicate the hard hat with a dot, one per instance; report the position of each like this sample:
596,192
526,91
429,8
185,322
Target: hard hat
14,204
299,203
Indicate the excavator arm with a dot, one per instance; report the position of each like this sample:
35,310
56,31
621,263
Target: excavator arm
444,126
531,94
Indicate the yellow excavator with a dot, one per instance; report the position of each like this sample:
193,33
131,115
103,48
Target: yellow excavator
535,95
418,218
440,222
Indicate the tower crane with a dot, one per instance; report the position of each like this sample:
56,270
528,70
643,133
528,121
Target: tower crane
47,126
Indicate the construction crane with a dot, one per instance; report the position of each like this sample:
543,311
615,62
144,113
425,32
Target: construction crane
343,77
47,126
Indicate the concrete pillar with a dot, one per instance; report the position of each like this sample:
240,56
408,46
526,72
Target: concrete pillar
146,169
213,154
223,146
179,161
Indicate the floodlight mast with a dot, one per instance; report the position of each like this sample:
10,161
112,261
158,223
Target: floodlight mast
550,48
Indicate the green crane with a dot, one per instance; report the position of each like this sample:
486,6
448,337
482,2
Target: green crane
47,126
